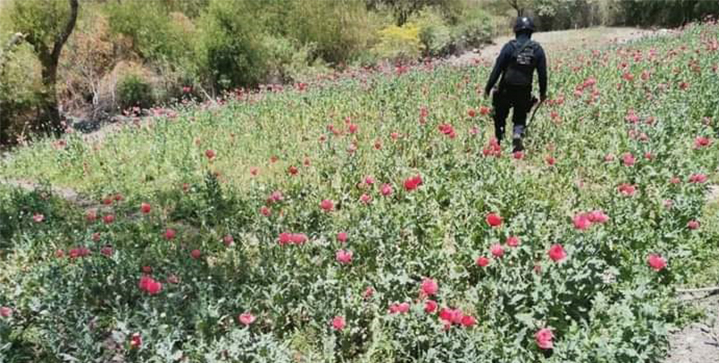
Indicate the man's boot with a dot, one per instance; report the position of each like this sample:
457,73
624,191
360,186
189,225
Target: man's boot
517,143
499,134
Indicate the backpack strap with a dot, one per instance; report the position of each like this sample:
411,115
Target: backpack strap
529,43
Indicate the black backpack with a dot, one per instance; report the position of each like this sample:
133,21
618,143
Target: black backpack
521,66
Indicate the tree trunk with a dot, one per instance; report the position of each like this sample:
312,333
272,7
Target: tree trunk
50,121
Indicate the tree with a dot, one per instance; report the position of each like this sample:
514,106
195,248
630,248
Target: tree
518,5
46,26
404,9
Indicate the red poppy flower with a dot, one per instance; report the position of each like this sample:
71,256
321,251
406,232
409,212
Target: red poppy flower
430,306
386,190
108,219
149,285
451,316
338,323
210,154
494,220
106,251
698,178
597,216
145,208
400,308
429,287
693,224
343,257
468,321
365,198
582,222
482,261
544,338
656,262
327,205
557,253
627,189
298,238
628,159
701,142
412,183
246,318
497,250
91,215
135,341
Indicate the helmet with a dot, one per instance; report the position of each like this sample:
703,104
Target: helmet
524,23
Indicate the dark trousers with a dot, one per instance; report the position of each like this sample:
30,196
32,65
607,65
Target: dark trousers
517,97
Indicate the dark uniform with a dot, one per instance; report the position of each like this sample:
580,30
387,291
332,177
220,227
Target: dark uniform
516,64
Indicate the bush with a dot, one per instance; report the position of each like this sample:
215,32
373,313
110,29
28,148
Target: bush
290,62
400,43
434,34
134,91
153,34
88,58
20,86
472,30
339,30
230,52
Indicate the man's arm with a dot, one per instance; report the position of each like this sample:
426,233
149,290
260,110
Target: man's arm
499,66
542,73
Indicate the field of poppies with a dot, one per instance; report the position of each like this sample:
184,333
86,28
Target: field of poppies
369,217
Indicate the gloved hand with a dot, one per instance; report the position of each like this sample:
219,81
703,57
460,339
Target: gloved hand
487,92
543,97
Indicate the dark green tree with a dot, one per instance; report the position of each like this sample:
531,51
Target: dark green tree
46,25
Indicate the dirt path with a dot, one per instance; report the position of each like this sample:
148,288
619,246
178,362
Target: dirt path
698,342
68,194
557,41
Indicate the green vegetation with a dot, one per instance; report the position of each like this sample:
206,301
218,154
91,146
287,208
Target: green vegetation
216,46
214,233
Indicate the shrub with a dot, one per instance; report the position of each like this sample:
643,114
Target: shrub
472,30
289,61
134,91
434,34
340,31
88,58
401,43
20,86
230,52
153,34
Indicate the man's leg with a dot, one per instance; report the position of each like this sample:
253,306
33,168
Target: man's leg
501,111
522,105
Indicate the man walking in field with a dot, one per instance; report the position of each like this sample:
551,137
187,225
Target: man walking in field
516,64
